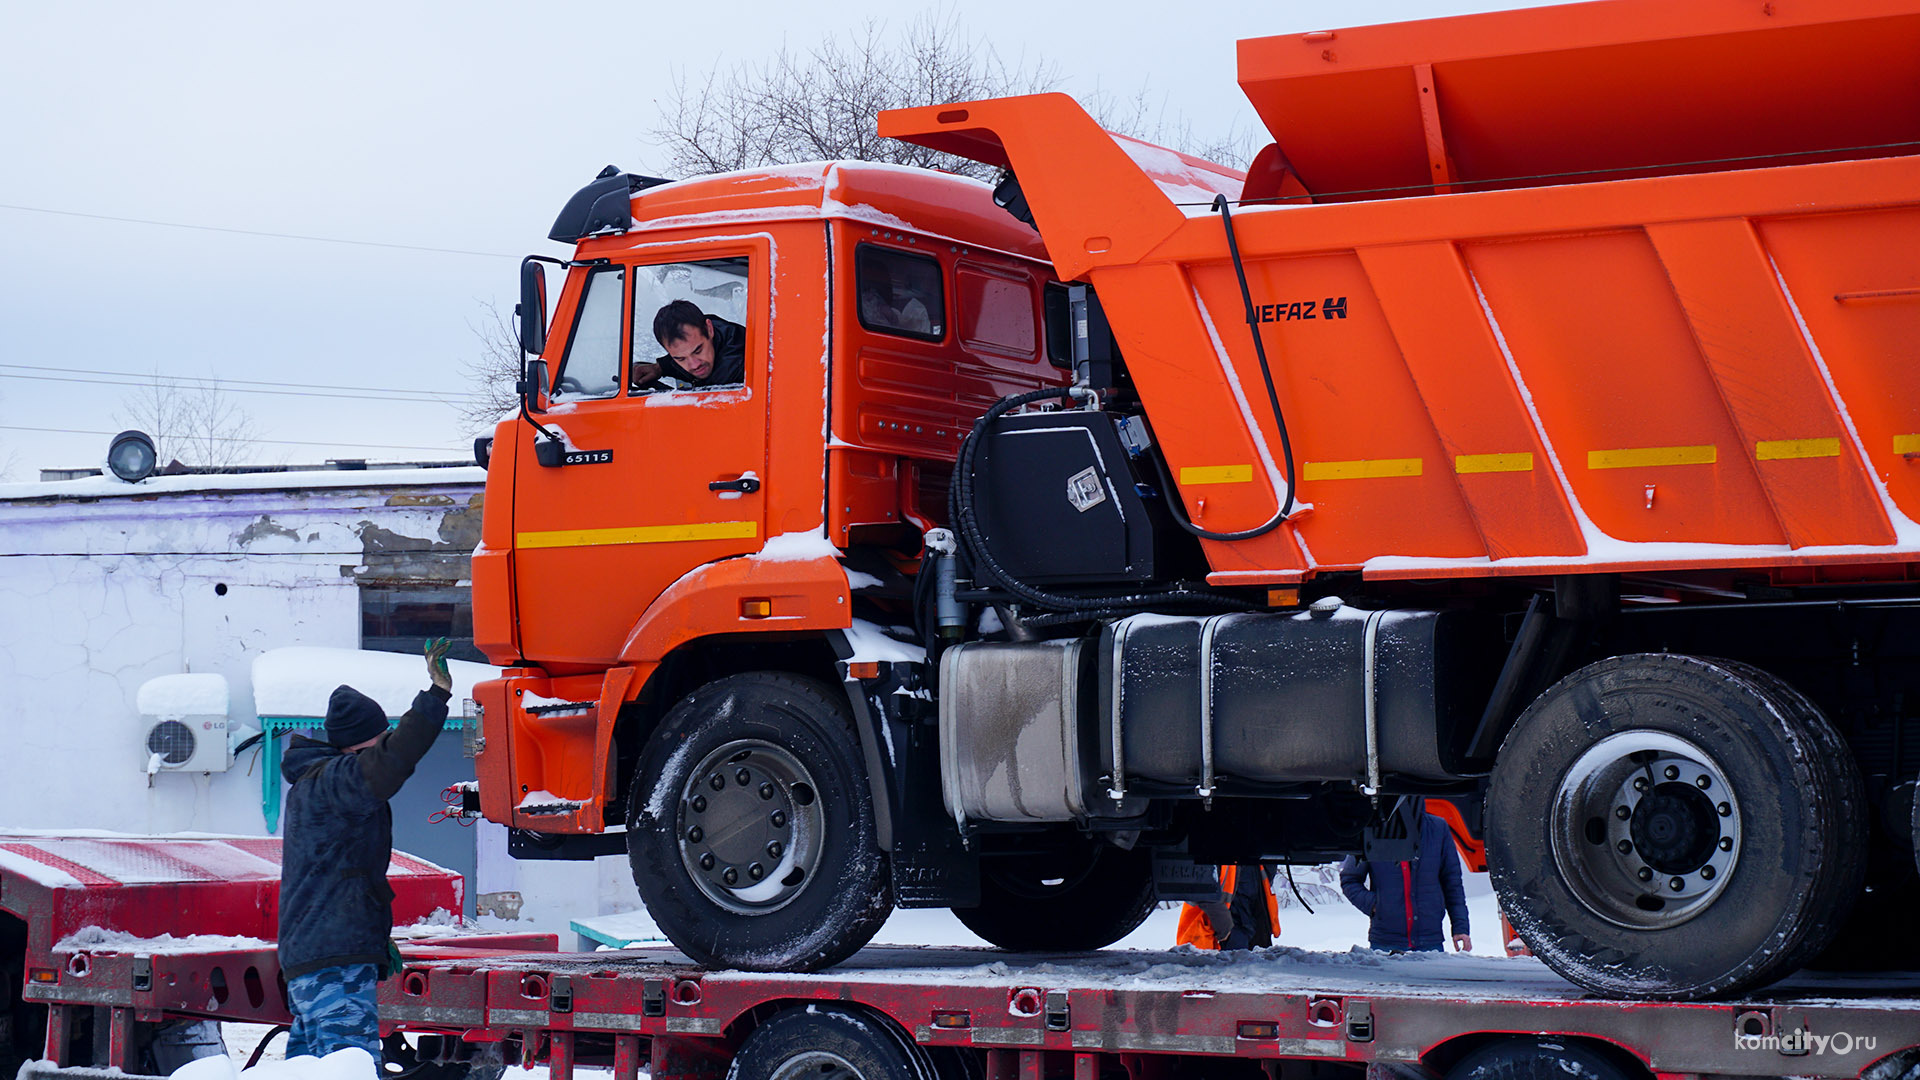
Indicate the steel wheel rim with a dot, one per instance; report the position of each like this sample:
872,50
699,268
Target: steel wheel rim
750,827
816,1065
1646,830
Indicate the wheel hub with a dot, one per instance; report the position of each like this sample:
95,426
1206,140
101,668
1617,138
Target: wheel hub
1646,829
750,826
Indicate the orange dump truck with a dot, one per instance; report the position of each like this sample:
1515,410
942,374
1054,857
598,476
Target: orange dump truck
1533,425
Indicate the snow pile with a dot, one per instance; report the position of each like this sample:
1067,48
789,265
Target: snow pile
171,697
297,680
870,642
439,924
1186,180
544,799
352,1063
32,869
100,939
795,546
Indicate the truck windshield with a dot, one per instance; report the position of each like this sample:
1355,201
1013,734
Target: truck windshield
591,368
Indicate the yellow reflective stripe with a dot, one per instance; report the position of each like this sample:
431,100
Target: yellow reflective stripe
640,534
1787,449
1906,444
1641,456
1478,463
1216,474
1364,469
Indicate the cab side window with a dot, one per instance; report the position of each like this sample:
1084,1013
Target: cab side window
900,292
700,307
591,367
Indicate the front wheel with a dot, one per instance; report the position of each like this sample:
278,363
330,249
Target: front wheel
751,828
1664,826
1085,898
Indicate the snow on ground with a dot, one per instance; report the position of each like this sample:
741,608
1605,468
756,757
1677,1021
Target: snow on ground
1335,926
242,1039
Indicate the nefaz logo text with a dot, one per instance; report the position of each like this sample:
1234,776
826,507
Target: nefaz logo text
1333,307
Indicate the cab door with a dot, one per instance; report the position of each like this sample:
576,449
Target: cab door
658,478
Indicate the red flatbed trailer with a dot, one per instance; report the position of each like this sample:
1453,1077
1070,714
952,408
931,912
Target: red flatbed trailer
929,1013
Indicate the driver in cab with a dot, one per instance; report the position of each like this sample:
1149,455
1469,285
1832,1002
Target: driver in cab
702,350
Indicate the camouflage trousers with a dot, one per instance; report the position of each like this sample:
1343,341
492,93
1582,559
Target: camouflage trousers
334,1008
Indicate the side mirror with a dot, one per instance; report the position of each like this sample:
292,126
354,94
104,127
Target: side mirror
533,383
532,309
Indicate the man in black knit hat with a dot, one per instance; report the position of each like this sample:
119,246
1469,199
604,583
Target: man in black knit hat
336,908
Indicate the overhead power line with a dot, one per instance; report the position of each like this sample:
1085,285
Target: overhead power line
441,399
227,383
237,438
255,232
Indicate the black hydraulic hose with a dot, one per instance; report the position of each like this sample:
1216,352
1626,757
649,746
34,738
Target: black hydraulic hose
960,505
1273,400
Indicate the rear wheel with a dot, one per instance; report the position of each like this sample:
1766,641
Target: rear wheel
1085,898
1674,827
818,1042
751,828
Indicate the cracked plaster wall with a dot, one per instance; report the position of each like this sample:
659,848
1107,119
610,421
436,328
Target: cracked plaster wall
97,596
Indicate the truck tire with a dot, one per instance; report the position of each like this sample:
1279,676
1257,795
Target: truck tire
751,828
1666,826
822,1042
1088,899
1540,1057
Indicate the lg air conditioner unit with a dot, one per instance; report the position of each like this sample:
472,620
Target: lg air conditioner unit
183,724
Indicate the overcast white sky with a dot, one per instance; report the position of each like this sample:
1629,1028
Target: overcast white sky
450,125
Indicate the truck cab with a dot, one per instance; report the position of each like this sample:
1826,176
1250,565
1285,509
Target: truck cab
653,535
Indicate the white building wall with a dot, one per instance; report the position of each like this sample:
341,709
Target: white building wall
102,589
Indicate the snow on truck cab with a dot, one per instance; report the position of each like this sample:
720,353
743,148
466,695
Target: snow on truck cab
1534,426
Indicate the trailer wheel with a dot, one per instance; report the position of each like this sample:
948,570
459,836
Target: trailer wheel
826,1043
1541,1057
750,827
1665,826
1088,898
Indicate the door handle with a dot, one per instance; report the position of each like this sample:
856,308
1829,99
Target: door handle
747,484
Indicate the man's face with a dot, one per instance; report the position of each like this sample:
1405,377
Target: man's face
694,352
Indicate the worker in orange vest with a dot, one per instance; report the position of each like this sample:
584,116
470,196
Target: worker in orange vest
1246,914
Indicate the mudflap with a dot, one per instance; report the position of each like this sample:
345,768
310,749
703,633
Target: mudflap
1177,877
1395,835
899,732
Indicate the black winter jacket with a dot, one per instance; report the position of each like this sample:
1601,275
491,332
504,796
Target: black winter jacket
335,904
729,357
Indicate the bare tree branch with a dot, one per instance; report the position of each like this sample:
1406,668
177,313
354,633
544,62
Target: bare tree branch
493,370
192,421
819,103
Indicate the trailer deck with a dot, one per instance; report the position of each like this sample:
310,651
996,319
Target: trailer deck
94,957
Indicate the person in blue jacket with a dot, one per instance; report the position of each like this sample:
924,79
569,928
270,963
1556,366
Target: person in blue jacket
1405,901
336,908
